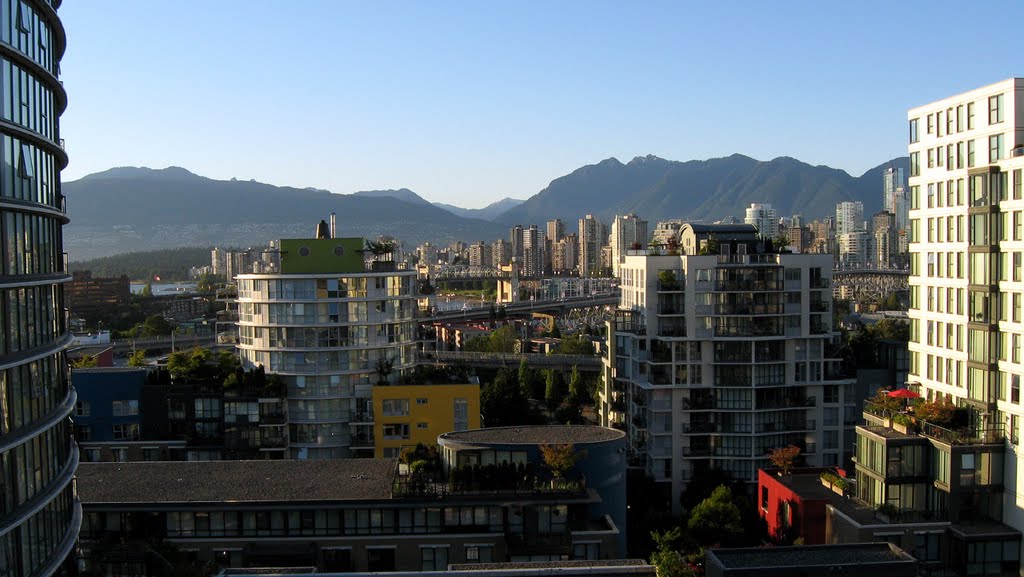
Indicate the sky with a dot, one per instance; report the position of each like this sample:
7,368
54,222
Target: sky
469,102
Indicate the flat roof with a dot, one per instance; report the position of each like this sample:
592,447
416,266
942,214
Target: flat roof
535,435
738,227
810,555
159,482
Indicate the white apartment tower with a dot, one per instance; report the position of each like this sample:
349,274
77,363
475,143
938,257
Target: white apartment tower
331,326
716,358
626,230
967,281
533,252
764,219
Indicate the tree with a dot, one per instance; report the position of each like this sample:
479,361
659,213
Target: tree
576,345
716,520
384,368
561,459
156,326
504,340
137,358
884,401
667,560
894,329
784,457
525,382
577,392
553,389
940,411
84,362
502,402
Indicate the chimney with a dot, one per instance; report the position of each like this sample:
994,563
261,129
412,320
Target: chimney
321,229
334,225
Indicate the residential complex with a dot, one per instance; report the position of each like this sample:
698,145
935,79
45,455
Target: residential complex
722,353
489,498
39,512
593,234
331,326
967,229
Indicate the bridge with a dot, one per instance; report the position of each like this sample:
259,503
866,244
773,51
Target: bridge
869,284
157,344
527,308
585,363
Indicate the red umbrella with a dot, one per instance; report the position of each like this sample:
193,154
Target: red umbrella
904,394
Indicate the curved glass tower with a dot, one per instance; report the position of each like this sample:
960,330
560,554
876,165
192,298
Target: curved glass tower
39,514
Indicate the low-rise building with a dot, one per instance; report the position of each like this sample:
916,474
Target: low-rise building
405,415
856,560
491,498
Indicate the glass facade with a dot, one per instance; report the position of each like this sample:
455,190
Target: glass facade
39,512
329,337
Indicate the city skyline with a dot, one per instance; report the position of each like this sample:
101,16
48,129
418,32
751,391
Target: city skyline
466,104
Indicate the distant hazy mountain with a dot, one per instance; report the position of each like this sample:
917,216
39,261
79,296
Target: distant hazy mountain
658,189
489,212
133,209
401,194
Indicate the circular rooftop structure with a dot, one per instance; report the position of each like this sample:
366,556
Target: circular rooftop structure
533,435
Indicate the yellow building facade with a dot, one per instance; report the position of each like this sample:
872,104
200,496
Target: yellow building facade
405,415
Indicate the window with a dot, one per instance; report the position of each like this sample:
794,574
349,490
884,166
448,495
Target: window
831,393
949,121
938,123
831,416
831,440
931,123
586,550
396,431
26,168
915,170
1015,389
120,454
970,153
479,553
913,131
995,147
83,433
461,414
970,116
421,425
395,407
421,401
764,498
995,109
125,408
434,558
24,17
960,118
126,432
931,158
207,408
82,409
150,454
176,409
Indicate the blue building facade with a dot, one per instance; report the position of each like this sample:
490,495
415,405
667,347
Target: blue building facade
109,404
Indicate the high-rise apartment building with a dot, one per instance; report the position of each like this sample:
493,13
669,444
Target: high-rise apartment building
555,230
331,326
967,286
764,219
884,247
533,252
480,255
627,231
39,513
716,358
593,234
563,254
501,253
515,237
664,231
849,217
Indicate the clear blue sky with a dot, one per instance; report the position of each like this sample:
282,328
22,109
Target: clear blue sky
468,102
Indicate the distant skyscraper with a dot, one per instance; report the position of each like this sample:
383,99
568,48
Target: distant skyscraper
626,231
564,254
40,514
555,232
849,217
763,217
516,239
533,252
592,236
665,230
883,240
501,253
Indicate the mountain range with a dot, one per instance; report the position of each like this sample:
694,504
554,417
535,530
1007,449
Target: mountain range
132,209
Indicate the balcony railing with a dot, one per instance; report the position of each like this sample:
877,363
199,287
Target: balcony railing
990,435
